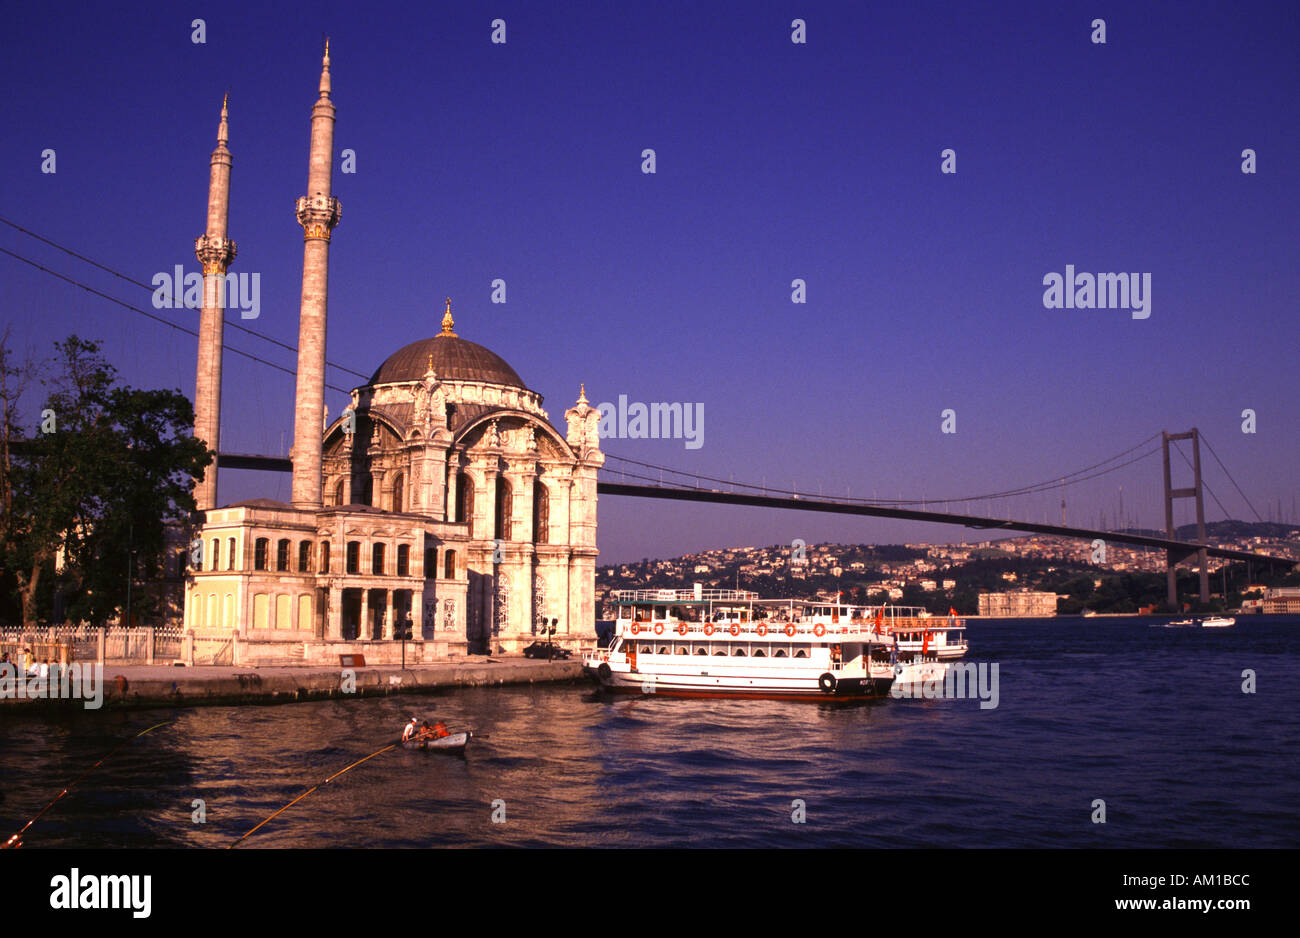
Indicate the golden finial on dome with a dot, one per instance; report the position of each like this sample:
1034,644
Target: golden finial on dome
447,321
582,393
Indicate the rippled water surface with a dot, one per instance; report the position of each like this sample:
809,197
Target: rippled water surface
1151,720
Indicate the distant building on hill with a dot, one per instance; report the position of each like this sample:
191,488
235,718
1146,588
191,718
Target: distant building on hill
1017,603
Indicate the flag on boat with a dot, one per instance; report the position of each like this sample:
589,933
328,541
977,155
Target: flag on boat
880,618
925,643
952,616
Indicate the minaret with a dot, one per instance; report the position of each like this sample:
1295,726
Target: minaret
215,252
318,213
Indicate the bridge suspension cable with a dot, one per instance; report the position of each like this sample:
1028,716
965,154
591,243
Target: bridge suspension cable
1071,478
1230,478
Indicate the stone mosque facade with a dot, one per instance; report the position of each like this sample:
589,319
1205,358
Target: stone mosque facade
441,499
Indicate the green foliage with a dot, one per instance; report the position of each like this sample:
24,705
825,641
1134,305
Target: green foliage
100,489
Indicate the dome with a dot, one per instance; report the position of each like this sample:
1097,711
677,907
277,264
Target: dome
454,359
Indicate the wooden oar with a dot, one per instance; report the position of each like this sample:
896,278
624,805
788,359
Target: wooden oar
17,839
312,789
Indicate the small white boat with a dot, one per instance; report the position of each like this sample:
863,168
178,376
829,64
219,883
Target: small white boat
1218,622
1180,623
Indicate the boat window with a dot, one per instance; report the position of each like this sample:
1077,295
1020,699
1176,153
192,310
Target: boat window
739,652
701,650
647,649
759,653
780,653
801,653
683,650
663,650
719,652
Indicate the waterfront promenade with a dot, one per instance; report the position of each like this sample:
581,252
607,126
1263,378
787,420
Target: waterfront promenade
151,686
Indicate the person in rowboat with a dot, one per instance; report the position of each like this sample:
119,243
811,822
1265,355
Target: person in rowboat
408,731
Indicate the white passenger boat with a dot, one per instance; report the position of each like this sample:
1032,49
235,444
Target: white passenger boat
729,643
925,643
1218,622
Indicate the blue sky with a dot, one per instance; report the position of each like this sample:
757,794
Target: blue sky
775,161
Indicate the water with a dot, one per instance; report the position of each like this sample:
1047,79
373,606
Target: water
1151,720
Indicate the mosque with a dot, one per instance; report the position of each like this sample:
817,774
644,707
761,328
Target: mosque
440,501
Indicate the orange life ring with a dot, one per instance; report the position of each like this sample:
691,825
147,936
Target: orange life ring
789,630
659,628
708,629
734,630
819,630
681,628
636,628
762,630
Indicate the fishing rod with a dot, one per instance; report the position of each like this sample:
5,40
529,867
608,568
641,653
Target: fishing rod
310,790
17,839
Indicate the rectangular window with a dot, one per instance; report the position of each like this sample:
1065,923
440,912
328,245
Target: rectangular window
403,560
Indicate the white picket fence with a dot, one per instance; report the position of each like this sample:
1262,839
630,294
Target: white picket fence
122,645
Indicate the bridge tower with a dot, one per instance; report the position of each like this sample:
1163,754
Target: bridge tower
1174,557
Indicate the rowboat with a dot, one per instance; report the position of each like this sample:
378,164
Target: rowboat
456,742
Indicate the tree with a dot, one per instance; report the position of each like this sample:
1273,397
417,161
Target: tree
111,467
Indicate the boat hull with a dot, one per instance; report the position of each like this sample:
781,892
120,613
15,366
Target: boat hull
456,742
743,688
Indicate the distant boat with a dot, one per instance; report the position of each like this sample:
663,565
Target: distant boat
1218,622
1185,623
1089,613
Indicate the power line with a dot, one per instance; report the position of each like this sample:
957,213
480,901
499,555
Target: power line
142,312
121,276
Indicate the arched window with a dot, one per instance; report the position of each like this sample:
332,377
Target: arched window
403,559
304,556
377,560
505,509
780,653
450,564
701,650
465,500
230,554
759,653
282,554
398,485
683,650
324,556
541,513
338,493
260,549
215,562
354,557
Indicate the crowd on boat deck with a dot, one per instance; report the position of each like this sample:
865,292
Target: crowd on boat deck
424,730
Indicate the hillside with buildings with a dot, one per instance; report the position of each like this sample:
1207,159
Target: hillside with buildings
1031,575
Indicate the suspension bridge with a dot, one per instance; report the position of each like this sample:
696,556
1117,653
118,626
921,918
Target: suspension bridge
688,486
